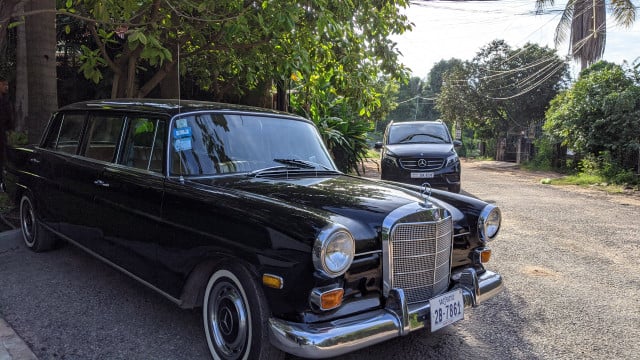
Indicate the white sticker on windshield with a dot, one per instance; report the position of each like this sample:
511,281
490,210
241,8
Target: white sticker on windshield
182,144
181,123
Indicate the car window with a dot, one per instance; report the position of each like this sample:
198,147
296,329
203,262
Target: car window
208,144
418,133
65,133
103,133
144,143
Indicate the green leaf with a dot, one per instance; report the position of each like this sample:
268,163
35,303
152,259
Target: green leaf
14,24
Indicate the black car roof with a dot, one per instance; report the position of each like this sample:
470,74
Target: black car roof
414,122
170,107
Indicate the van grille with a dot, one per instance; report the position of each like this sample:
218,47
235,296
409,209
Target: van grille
421,258
422,163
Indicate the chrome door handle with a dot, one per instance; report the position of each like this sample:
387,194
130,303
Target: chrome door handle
34,161
101,183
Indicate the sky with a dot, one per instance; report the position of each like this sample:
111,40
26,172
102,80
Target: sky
458,29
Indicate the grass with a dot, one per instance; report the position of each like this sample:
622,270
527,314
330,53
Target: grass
372,154
585,180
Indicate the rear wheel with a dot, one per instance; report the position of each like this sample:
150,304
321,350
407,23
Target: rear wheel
35,236
236,316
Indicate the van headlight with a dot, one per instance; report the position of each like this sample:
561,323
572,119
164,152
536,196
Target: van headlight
333,251
452,159
489,222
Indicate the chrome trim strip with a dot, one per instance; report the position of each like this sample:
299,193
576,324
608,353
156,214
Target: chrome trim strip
368,253
345,335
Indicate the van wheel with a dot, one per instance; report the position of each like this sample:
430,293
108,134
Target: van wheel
35,236
236,316
454,188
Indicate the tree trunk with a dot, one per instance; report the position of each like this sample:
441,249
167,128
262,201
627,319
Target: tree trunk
7,9
170,84
41,65
22,77
282,102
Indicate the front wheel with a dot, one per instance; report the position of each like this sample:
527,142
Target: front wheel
236,316
454,188
35,236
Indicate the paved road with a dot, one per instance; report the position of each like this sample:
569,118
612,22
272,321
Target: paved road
569,259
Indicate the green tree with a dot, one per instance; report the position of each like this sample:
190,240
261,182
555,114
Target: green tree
502,89
438,72
412,103
599,115
586,23
231,47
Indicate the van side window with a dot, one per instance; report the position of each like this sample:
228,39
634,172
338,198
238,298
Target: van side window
144,144
65,133
103,133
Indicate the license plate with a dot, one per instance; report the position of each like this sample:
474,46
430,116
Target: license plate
421,175
446,309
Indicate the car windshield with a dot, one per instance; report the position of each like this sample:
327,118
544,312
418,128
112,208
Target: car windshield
216,143
433,133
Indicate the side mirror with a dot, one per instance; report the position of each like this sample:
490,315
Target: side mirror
457,143
378,145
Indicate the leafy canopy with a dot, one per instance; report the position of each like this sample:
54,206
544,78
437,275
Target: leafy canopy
599,113
502,88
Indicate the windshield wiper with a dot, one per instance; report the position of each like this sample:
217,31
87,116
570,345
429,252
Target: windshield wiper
304,164
293,165
414,135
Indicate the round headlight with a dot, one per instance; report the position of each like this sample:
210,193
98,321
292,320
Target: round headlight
489,222
333,251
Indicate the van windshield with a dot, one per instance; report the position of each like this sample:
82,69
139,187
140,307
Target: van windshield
432,133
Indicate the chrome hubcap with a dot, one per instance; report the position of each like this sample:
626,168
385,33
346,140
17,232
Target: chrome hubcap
27,222
228,320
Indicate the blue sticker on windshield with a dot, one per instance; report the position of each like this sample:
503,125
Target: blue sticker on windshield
182,144
182,132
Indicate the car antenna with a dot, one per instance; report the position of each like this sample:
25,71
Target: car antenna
181,178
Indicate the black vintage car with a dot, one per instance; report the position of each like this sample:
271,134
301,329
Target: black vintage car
242,212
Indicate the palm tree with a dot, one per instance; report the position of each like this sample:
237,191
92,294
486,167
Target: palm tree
36,80
586,23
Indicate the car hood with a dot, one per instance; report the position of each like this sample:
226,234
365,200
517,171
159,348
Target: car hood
421,150
358,203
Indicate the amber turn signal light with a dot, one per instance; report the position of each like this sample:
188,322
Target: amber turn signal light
331,299
485,256
481,255
272,281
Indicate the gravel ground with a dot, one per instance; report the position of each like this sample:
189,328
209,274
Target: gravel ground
569,258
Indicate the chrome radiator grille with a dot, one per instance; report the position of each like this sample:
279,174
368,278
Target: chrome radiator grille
422,164
421,258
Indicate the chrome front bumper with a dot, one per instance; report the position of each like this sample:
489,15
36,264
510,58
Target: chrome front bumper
359,331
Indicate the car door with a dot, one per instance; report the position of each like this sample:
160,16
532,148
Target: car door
131,197
60,144
82,181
